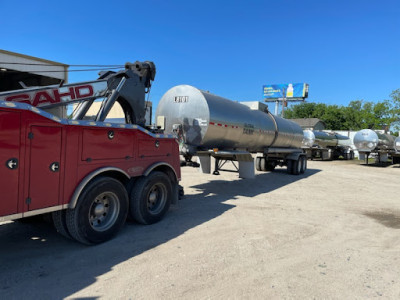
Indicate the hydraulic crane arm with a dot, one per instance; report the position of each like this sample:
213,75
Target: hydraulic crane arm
128,87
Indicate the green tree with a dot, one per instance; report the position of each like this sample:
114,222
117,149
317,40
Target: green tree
395,110
359,114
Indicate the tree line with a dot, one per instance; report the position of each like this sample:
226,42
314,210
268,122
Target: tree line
359,114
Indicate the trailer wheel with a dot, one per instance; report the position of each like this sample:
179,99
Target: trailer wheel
150,198
100,212
296,166
263,164
60,223
258,163
303,164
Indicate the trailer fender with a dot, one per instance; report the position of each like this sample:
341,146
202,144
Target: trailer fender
88,178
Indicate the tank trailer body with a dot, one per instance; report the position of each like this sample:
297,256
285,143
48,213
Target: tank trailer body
326,145
208,126
396,153
382,145
87,172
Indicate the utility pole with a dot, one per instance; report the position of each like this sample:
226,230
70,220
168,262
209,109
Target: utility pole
283,102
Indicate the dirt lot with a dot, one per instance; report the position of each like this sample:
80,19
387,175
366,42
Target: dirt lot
330,233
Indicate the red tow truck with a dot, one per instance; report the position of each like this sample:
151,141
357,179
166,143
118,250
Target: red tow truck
61,153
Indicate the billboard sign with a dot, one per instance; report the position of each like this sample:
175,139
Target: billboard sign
290,91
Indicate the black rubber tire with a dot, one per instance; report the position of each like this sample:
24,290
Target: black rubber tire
263,164
149,211
303,164
60,223
296,166
258,163
90,227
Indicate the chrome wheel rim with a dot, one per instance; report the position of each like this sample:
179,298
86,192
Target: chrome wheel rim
156,198
104,211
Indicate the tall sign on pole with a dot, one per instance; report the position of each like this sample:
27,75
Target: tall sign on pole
285,93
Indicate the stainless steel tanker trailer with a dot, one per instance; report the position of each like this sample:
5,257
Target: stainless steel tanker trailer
396,154
326,145
382,145
208,126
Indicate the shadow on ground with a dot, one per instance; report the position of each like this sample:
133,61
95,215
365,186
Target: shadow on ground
36,262
390,219
380,165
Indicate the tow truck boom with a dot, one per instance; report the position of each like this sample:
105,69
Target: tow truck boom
129,86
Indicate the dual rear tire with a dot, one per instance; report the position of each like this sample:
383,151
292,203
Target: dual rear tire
264,165
100,212
150,198
103,206
296,167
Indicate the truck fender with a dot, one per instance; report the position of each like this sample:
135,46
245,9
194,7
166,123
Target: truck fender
157,165
87,179
165,166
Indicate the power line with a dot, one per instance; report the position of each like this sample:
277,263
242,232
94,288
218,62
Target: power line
60,71
47,65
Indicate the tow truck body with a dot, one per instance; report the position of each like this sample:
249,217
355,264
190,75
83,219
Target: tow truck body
87,170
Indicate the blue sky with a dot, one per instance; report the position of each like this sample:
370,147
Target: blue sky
345,50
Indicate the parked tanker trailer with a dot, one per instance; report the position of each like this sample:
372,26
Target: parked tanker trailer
396,154
208,126
326,145
368,141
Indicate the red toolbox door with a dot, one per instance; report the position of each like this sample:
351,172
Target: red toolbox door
10,129
45,167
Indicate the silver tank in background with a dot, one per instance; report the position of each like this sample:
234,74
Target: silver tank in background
397,144
333,139
209,121
326,145
308,138
367,140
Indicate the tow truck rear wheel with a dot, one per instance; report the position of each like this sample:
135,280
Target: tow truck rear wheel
100,212
150,198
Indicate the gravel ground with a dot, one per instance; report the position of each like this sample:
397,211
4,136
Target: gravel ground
332,233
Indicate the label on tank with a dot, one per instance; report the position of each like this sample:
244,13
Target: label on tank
201,122
248,129
181,99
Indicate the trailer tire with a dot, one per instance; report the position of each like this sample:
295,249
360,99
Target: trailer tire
60,223
296,169
263,164
258,163
100,212
150,198
303,164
